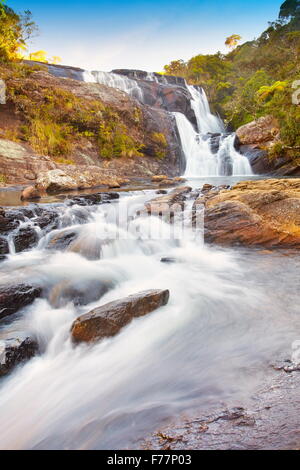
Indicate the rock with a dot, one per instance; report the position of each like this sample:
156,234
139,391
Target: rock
20,165
82,292
55,181
14,351
15,297
207,187
30,193
159,178
25,239
170,203
161,191
114,184
254,213
264,130
168,260
108,319
62,240
4,248
92,199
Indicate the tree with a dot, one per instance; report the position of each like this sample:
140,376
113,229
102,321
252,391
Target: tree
176,67
233,40
15,31
42,56
289,9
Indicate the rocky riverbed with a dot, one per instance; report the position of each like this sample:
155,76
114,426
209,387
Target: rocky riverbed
98,302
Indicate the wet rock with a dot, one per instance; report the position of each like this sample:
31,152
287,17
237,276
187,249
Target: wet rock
108,319
161,191
168,260
82,292
15,297
30,193
4,248
170,203
92,199
25,239
14,351
62,240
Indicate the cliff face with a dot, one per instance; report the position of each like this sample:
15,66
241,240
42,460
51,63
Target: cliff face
149,125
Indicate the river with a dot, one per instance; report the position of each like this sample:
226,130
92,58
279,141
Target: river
232,312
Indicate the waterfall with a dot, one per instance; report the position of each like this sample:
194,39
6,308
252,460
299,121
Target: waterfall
206,121
114,80
200,159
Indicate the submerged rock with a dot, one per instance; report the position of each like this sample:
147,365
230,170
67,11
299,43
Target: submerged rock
14,351
15,297
4,248
30,193
81,292
108,319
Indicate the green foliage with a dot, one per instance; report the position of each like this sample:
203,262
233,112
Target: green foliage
3,179
56,120
15,30
160,139
114,142
255,79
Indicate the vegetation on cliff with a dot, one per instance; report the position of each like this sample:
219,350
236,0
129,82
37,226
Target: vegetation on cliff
256,78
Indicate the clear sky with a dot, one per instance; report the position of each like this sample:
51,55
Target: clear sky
144,34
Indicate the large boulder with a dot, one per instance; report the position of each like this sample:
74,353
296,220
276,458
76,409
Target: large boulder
14,351
254,213
16,296
262,132
20,165
108,319
55,181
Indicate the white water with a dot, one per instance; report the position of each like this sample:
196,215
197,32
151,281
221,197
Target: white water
210,344
114,80
206,121
200,159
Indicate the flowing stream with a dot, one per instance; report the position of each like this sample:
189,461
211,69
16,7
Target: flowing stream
227,318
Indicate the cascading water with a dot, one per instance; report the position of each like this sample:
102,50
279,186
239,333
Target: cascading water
200,159
117,81
206,121
206,346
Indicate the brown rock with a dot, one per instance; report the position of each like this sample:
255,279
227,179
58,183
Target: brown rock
108,320
169,203
30,193
159,178
264,130
260,213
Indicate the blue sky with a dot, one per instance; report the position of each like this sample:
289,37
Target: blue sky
103,35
